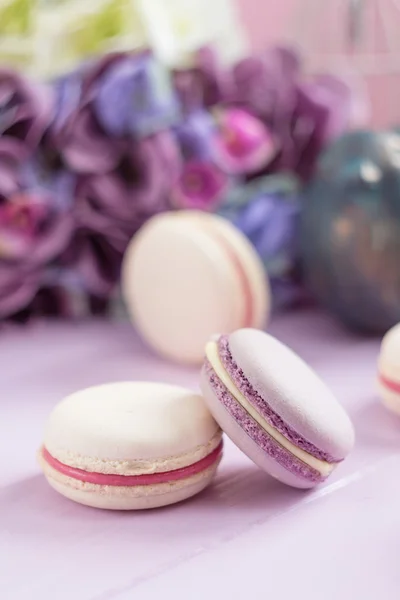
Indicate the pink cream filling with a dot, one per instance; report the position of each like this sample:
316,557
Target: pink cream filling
131,480
394,386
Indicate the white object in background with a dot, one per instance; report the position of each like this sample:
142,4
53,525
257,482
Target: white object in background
51,37
177,28
187,275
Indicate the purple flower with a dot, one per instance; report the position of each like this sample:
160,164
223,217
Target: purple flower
85,147
18,286
267,211
205,83
43,175
25,108
135,97
75,134
90,264
242,143
12,153
31,236
117,204
265,83
33,232
195,134
272,224
202,186
110,208
152,167
105,207
49,301
302,115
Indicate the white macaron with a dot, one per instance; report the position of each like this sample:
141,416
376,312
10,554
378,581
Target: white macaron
187,275
130,445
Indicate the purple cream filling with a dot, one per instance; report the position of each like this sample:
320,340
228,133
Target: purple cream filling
263,440
245,387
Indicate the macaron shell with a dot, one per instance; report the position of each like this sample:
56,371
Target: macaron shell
128,498
131,428
181,285
293,390
245,443
390,398
255,271
389,358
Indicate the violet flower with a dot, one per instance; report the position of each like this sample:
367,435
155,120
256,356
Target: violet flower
267,211
34,231
25,108
203,84
135,97
18,287
32,234
266,83
242,143
12,153
272,224
48,301
85,147
75,133
111,207
302,115
118,203
31,230
90,265
195,134
201,186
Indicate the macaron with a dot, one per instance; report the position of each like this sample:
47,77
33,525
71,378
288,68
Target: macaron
187,275
275,408
130,445
389,370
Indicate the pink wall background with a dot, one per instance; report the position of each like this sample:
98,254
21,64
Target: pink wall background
266,20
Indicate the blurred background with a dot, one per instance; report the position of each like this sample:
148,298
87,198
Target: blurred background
112,111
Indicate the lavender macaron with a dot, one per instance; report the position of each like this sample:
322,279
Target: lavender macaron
275,408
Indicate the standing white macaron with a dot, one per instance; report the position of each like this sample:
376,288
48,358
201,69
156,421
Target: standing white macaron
130,446
389,369
187,275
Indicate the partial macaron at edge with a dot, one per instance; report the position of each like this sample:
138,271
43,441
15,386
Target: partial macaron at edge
390,394
390,384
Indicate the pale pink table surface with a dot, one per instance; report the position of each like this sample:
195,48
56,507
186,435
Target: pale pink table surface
247,536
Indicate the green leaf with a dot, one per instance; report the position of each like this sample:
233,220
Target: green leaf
16,17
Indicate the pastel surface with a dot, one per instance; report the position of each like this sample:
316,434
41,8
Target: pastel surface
340,538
